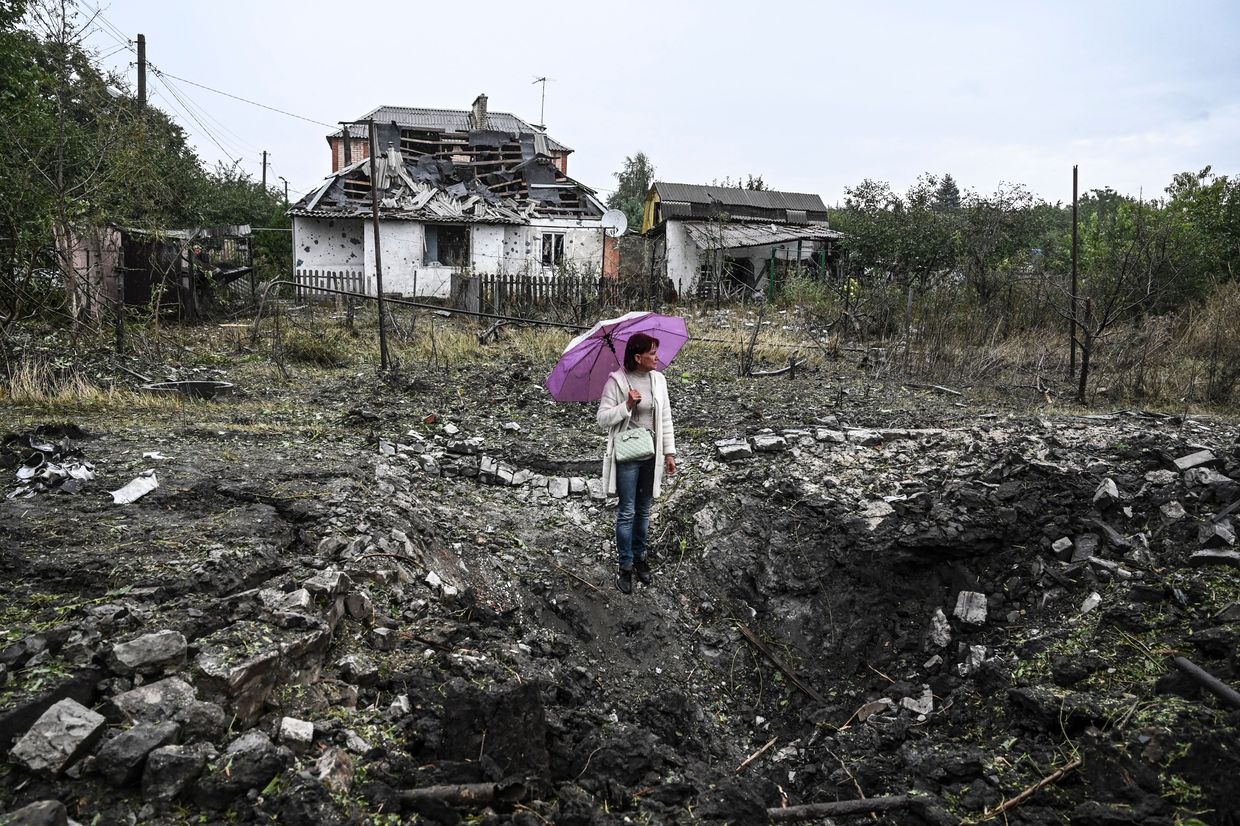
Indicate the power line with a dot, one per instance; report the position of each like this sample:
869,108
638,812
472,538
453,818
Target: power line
245,100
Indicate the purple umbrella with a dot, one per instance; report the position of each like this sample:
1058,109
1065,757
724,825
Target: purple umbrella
588,359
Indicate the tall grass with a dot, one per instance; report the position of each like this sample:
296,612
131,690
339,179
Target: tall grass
37,383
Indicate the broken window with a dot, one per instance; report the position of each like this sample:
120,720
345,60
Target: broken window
552,249
447,245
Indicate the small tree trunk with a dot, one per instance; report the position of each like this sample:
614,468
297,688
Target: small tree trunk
1087,349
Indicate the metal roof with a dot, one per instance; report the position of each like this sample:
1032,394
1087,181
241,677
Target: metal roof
450,120
714,236
736,197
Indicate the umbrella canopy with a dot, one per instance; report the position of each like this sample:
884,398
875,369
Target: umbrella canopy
588,359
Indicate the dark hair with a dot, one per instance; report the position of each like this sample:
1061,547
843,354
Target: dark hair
638,343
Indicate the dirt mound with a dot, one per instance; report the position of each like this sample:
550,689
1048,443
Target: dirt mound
404,609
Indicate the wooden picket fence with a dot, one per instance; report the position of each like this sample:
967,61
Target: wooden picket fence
561,295
310,282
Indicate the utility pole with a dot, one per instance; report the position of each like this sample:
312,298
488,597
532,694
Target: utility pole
264,171
374,214
281,177
1072,321
142,70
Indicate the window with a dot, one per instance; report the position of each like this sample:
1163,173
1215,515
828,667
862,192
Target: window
447,245
553,249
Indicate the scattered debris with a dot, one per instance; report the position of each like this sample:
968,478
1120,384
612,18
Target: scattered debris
137,488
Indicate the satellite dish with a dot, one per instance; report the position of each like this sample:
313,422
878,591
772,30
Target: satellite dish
614,223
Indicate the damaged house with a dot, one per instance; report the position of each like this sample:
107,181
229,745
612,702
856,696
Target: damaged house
724,241
461,192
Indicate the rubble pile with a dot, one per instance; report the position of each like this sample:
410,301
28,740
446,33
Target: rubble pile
920,618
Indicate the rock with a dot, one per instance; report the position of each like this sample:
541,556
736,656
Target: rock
970,608
1161,477
1060,546
922,705
202,720
1216,534
328,584
511,427
940,629
62,734
881,706
43,813
557,486
121,759
1085,546
358,606
826,434
1107,491
769,443
1204,477
249,762
359,669
1091,602
729,450
1193,460
974,659
151,703
383,639
18,718
298,735
577,486
1202,558
1172,511
334,769
150,653
866,438
170,770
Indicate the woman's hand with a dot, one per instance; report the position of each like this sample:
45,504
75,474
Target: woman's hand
669,464
633,399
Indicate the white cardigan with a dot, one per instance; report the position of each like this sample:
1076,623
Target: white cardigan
614,414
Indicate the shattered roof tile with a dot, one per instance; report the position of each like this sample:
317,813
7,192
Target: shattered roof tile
451,120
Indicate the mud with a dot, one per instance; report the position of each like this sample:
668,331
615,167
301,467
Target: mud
440,606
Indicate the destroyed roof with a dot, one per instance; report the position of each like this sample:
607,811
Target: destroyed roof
439,190
450,120
712,236
737,197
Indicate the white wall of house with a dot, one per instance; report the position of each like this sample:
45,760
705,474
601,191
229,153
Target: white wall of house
683,257
486,247
583,244
325,248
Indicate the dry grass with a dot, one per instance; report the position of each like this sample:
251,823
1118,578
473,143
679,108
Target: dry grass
37,384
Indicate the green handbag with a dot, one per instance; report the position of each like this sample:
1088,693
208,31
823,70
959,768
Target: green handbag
634,444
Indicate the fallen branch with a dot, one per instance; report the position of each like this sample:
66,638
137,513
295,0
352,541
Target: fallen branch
755,755
788,672
793,364
467,794
1211,683
841,807
1030,791
584,582
937,387
491,332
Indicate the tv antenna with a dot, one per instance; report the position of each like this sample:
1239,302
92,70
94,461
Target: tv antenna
542,107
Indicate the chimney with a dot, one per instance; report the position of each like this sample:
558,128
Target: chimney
480,111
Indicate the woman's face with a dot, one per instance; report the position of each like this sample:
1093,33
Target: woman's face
648,360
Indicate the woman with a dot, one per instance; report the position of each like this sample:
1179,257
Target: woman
636,396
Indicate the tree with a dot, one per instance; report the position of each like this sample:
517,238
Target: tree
1125,254
946,195
633,184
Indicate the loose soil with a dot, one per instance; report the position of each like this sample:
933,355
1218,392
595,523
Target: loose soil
800,643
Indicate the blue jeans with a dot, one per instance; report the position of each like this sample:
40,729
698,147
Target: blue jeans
635,487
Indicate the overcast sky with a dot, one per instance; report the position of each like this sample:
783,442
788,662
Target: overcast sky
812,96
